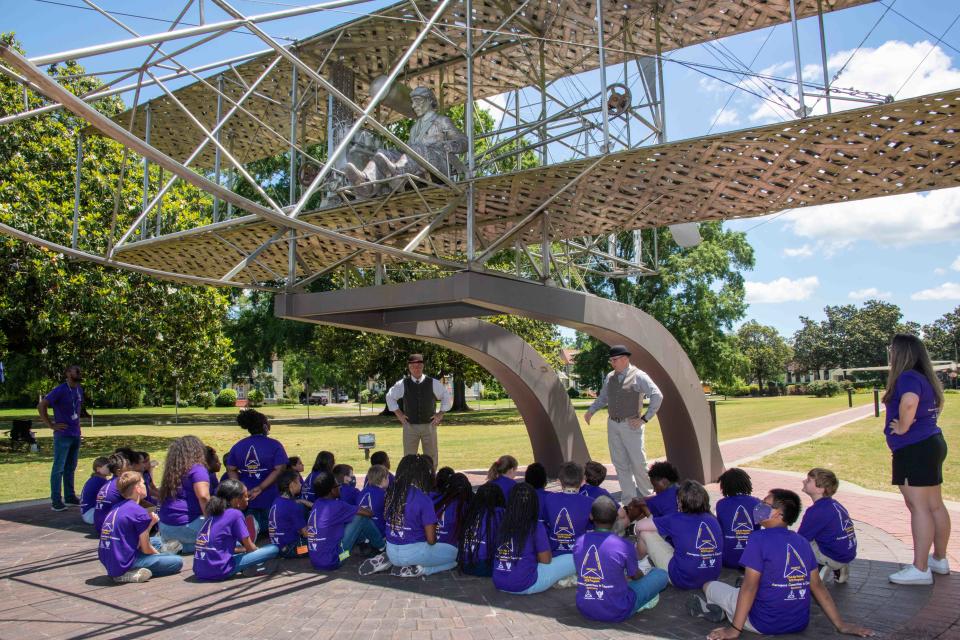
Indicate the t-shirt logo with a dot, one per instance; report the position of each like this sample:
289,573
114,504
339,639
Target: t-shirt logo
505,556
203,538
272,525
312,531
846,525
102,495
106,532
742,525
563,530
366,502
252,463
707,546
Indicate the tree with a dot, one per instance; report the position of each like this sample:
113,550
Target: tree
765,350
942,336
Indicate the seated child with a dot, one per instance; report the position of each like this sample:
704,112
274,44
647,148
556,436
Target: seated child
696,555
126,548
325,461
779,578
536,476
334,526
501,473
381,458
594,473
374,494
735,514
663,477
450,507
610,587
184,491
442,480
287,523
225,528
827,525
522,562
566,513
146,470
343,473
480,525
108,495
88,496
296,464
214,466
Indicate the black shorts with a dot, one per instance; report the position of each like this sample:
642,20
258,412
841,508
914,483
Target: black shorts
920,464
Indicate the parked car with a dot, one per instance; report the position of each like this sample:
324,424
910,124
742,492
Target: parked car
342,397
317,397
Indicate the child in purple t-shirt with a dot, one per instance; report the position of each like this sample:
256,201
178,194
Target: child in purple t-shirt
88,496
343,473
108,495
374,494
522,561
735,514
223,530
334,527
213,466
450,507
594,473
287,523
535,475
126,549
696,553
257,461
481,522
325,461
610,587
828,526
501,473
778,581
147,465
664,477
566,514
184,491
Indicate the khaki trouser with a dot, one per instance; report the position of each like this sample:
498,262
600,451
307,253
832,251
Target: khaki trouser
725,597
629,459
415,434
659,550
822,559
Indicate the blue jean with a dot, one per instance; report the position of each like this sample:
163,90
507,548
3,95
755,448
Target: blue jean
243,560
434,558
185,533
361,528
549,574
66,451
160,564
648,587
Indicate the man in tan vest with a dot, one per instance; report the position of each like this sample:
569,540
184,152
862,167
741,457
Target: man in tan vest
623,391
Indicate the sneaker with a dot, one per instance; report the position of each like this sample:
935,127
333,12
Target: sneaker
58,506
134,576
939,566
411,571
264,568
654,601
171,546
566,583
72,502
841,575
697,607
825,571
911,575
376,564
645,566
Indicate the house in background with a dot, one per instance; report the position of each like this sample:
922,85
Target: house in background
568,378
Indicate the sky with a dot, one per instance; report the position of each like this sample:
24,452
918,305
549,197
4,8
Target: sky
903,249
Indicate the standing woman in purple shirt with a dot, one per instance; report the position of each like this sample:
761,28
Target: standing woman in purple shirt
913,401
184,491
257,461
67,403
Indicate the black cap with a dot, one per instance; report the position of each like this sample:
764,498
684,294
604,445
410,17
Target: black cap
618,350
414,357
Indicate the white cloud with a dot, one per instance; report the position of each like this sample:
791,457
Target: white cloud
781,290
870,293
946,291
726,118
798,252
499,100
956,264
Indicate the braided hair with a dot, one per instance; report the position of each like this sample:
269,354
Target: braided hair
414,470
483,514
459,491
521,516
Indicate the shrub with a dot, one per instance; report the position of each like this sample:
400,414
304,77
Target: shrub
255,398
573,393
364,395
227,398
205,400
824,388
754,390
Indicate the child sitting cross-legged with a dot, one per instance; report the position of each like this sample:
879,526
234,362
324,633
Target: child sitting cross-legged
827,525
287,523
566,513
88,497
374,494
735,514
780,576
610,587
664,477
695,555
334,526
480,526
215,555
126,548
108,495
594,473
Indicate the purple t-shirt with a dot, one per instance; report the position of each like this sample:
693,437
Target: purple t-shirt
325,527
407,527
120,536
663,503
255,457
214,482
505,484
828,523
784,559
593,492
390,480
184,507
349,494
697,551
88,497
306,487
66,402
926,425
106,498
475,539
514,570
603,561
372,498
567,517
216,541
735,515
285,521
447,524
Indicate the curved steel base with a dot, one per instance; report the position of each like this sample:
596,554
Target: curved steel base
691,443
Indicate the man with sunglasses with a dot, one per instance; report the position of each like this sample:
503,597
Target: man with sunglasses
623,392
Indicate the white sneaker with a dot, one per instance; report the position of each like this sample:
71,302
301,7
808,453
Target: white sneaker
171,546
135,576
911,575
566,583
645,565
374,565
824,572
939,566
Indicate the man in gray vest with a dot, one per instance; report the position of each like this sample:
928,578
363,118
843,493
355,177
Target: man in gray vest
622,392
419,415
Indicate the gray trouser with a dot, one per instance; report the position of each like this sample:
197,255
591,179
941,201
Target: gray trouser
629,459
416,434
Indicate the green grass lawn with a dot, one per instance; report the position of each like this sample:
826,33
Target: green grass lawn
467,440
858,452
